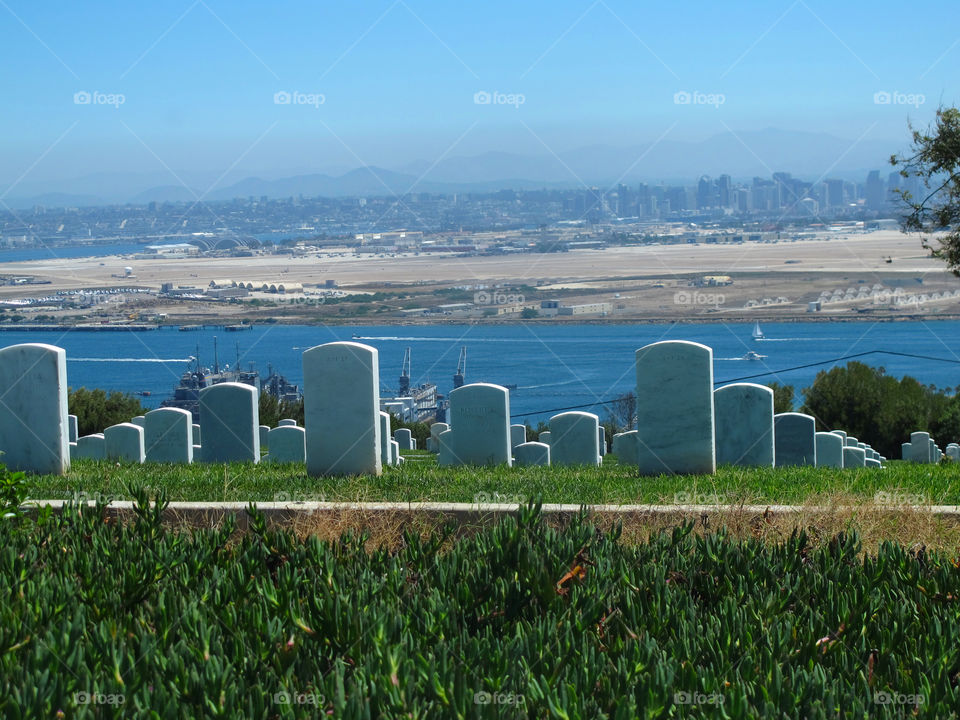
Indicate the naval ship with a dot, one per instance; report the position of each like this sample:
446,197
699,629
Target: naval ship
196,377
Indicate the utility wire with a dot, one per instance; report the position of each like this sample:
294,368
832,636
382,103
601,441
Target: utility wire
758,375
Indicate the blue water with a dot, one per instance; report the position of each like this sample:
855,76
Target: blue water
553,366
75,251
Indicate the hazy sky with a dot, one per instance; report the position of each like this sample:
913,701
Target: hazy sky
397,80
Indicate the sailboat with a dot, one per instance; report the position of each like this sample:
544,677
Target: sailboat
757,332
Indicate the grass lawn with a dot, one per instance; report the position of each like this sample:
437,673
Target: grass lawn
421,479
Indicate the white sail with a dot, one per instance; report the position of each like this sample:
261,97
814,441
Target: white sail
757,332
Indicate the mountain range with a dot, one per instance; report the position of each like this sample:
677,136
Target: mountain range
811,156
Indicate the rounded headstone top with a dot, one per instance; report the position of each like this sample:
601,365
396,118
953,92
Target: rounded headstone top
478,386
665,345
574,414
744,386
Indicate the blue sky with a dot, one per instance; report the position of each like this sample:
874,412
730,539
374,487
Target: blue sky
398,79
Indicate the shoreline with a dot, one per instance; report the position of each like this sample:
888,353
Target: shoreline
222,323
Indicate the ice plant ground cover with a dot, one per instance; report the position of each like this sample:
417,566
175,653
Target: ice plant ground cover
107,618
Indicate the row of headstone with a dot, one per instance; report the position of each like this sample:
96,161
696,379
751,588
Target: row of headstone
922,449
683,425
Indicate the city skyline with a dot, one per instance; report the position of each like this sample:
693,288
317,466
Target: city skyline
204,95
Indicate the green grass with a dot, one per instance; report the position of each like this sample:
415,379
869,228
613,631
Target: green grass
423,480
519,620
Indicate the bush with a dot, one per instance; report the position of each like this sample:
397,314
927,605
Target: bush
879,409
96,410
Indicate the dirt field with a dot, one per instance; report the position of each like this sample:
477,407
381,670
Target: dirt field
648,282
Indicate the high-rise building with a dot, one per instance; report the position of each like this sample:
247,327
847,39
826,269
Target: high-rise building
874,192
725,191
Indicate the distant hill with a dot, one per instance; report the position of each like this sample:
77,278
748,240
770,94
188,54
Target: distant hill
742,155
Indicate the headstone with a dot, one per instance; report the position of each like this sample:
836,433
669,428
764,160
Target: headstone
139,420
829,450
168,435
480,416
794,436
602,440
675,408
574,439
196,434
920,447
625,447
531,453
934,451
841,433
905,449
395,452
744,425
404,438
264,432
72,419
445,455
386,450
862,445
413,443
853,457
341,406
287,422
850,441
518,435
871,463
544,437
287,444
435,430
124,442
230,418
953,452
91,447
34,430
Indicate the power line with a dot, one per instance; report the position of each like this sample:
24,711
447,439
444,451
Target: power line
758,375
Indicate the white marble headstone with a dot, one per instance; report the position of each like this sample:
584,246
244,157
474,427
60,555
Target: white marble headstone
744,425
574,439
230,418
34,429
124,442
675,428
480,418
794,435
168,435
341,400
